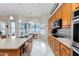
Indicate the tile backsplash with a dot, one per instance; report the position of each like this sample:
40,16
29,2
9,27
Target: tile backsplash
65,32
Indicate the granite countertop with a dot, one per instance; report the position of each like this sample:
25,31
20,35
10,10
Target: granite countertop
66,41
13,43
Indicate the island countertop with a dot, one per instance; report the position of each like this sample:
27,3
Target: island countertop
13,43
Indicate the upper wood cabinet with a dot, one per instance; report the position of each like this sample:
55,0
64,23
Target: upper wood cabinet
66,15
75,6
58,13
49,26
50,22
55,16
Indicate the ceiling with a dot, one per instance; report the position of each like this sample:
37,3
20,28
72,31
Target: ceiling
25,9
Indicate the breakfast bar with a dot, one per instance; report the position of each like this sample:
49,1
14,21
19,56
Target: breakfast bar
14,46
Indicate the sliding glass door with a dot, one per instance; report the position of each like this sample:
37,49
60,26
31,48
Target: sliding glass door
12,29
2,28
23,29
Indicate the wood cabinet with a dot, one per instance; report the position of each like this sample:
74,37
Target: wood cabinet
66,15
65,51
10,52
57,47
55,16
75,6
58,14
51,42
49,26
50,22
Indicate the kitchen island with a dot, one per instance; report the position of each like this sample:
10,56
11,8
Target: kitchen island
14,46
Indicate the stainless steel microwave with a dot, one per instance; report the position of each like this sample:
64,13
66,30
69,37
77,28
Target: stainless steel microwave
76,14
57,24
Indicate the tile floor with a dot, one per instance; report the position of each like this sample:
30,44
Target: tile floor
41,48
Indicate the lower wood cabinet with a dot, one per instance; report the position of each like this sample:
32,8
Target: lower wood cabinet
10,52
65,51
58,48
51,42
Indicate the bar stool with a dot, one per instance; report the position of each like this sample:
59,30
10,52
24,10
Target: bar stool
26,48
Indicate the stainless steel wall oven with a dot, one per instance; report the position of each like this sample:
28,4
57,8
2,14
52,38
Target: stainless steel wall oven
75,44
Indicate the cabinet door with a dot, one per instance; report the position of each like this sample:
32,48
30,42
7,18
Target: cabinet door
65,51
49,40
57,48
69,14
50,21
75,6
58,15
52,43
55,16
49,26
66,15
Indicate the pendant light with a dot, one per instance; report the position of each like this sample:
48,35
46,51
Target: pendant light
20,20
11,17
